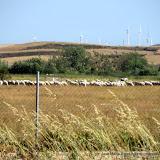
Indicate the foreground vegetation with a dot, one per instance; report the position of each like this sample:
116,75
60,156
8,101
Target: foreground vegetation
79,122
78,137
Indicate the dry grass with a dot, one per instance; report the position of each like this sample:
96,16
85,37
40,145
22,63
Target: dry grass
79,121
11,60
153,59
145,99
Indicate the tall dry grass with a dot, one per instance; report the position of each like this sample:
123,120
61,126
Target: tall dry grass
72,136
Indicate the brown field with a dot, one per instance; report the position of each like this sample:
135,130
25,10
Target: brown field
15,52
79,121
11,60
153,59
146,100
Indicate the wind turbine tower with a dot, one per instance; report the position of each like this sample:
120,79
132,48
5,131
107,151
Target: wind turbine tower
34,38
139,36
99,41
149,40
86,39
81,38
128,37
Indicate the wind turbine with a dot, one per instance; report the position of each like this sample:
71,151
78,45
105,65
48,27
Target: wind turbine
151,42
34,38
99,41
139,36
86,39
128,37
149,39
123,42
81,38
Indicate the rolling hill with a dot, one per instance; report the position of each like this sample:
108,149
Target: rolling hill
15,52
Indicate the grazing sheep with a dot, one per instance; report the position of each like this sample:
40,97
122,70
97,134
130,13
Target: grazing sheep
29,83
118,83
75,83
64,83
47,82
139,83
11,82
95,83
124,79
129,83
148,83
155,83
57,82
1,82
42,83
51,82
83,83
21,82
108,83
5,82
17,82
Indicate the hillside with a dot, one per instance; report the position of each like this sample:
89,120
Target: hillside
14,52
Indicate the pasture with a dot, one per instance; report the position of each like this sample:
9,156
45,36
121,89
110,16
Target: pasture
76,119
81,77
146,100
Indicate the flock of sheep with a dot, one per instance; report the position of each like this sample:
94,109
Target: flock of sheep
118,83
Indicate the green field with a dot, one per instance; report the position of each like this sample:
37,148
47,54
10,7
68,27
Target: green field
81,76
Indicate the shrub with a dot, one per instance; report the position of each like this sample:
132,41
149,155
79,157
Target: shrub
135,64
4,74
50,67
30,66
77,58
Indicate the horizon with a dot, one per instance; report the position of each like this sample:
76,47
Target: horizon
102,22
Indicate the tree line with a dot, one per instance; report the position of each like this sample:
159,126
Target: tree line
77,60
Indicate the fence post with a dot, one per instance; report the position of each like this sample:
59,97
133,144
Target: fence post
37,110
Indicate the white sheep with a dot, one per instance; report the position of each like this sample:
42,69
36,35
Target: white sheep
136,83
84,83
5,82
1,82
148,83
124,79
129,83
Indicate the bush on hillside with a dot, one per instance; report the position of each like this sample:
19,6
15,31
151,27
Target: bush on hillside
50,67
30,66
76,58
4,74
135,64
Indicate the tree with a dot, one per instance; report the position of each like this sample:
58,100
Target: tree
135,64
62,65
50,67
30,66
77,58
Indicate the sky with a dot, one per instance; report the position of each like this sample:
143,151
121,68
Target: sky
96,21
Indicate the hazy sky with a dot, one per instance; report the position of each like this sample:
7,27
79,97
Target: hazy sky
65,20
